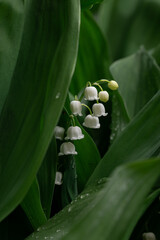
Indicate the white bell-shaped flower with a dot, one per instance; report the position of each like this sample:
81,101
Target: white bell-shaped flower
103,96
74,133
59,132
67,148
113,85
58,178
149,236
98,110
76,107
91,93
91,122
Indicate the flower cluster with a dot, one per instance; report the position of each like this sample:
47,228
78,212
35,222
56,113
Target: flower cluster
90,121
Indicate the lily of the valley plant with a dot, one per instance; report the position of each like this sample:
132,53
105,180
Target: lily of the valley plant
79,119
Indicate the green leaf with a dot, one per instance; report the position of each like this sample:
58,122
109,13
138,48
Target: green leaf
138,78
31,204
139,140
143,31
115,19
127,25
46,177
126,189
39,86
11,26
89,3
93,60
120,117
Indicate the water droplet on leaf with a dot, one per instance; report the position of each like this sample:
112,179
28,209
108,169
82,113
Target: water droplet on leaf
69,209
58,95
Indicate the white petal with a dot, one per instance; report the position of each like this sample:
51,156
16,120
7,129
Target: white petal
91,93
59,132
76,107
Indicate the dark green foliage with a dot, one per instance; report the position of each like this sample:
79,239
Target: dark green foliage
49,50
36,95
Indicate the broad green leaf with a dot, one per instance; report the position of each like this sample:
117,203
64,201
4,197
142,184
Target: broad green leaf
89,3
46,177
104,207
11,26
139,140
120,117
143,31
93,60
127,25
39,86
138,78
115,18
31,204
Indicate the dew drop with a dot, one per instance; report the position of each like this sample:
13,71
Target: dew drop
102,180
84,195
69,209
58,95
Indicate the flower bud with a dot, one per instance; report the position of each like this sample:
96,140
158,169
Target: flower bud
74,133
98,110
113,85
91,122
103,96
59,132
67,148
58,178
76,107
149,236
91,93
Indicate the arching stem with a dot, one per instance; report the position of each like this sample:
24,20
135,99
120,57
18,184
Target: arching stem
87,107
103,80
98,86
88,84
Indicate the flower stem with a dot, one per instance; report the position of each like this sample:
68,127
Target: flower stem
103,80
87,107
73,120
88,84
98,85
